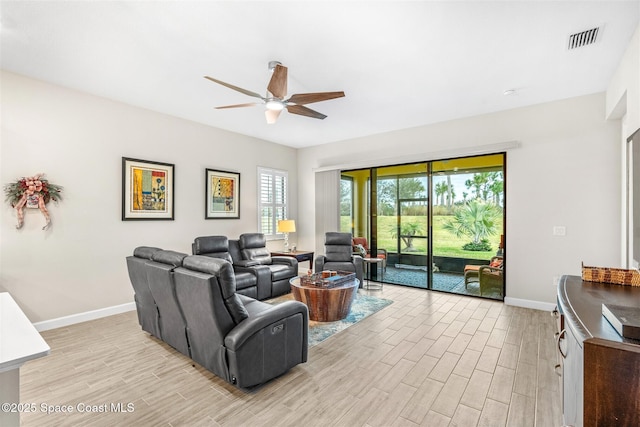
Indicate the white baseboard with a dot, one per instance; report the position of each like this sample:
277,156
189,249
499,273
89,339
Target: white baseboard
45,325
536,305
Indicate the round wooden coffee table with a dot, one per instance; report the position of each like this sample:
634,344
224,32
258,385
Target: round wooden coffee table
326,304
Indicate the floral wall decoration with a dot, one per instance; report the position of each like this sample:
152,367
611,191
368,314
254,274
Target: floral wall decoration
32,192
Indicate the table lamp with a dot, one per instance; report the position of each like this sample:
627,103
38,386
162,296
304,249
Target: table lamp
286,226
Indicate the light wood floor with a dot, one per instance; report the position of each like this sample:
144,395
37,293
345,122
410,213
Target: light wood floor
429,358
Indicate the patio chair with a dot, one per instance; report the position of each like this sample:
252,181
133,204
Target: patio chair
381,253
472,272
491,279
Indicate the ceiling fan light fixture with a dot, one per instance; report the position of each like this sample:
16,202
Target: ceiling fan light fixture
275,105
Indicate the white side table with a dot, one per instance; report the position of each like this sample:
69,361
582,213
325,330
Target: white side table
367,267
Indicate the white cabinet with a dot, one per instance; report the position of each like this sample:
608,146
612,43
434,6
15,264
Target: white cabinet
572,379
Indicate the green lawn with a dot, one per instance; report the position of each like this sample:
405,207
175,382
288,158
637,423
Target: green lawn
444,243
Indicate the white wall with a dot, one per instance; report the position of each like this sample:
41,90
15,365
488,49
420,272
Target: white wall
79,140
566,172
623,102
623,93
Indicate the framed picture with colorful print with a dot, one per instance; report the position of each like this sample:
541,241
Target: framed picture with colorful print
222,198
147,190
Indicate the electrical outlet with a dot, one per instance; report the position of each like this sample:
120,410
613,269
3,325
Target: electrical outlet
559,230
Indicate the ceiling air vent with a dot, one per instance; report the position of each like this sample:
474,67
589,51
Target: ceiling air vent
583,38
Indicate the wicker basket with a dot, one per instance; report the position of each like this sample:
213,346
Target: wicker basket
616,276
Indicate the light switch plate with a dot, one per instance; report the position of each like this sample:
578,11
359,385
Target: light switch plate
559,230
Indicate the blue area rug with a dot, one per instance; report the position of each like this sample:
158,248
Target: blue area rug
362,307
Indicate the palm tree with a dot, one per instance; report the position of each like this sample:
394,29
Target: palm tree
440,189
476,183
450,194
497,188
485,184
477,220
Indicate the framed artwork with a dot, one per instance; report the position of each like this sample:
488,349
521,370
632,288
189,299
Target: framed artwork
222,194
147,190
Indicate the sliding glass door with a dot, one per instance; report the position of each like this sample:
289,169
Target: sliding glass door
468,225
438,225
403,191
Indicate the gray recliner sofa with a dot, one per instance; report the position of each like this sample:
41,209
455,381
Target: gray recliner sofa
339,255
255,273
249,281
244,341
173,327
250,250
145,304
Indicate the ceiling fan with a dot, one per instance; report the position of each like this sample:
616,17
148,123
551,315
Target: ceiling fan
275,100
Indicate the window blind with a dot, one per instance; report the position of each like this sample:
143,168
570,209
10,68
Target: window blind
272,200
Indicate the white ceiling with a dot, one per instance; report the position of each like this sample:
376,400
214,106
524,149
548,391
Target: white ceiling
401,64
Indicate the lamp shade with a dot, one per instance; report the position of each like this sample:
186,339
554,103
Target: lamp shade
286,226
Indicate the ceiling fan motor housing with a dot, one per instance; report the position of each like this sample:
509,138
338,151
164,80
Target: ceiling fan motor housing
272,64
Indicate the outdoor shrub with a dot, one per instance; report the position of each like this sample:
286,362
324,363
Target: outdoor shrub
441,210
415,210
482,245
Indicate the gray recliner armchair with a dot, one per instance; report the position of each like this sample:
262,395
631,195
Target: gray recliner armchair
339,255
252,252
244,341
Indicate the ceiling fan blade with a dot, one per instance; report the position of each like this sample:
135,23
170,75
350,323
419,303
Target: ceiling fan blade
309,98
278,83
249,104
230,86
304,111
272,115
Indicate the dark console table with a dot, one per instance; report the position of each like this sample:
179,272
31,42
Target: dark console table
599,369
299,255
